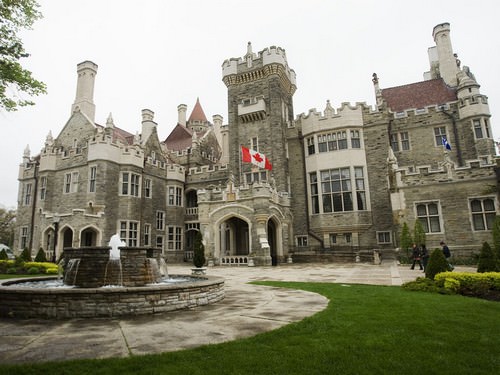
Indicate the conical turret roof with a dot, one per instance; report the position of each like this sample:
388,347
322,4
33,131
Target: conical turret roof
197,114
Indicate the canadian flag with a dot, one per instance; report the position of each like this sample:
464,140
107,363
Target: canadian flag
256,158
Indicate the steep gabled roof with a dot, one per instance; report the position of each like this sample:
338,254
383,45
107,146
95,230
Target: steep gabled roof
179,139
120,134
197,114
418,95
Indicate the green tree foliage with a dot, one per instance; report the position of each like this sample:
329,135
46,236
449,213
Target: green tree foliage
40,256
405,239
16,15
437,264
495,231
487,259
418,233
7,222
199,251
25,255
3,255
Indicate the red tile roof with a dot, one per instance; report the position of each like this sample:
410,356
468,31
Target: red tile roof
179,139
120,134
197,114
418,95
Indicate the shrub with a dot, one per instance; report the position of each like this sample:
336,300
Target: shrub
40,256
405,240
11,270
418,233
3,255
199,251
422,284
437,264
33,271
25,255
487,259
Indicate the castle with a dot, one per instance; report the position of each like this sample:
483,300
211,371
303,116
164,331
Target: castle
342,183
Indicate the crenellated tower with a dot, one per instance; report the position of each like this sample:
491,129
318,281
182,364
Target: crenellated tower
260,108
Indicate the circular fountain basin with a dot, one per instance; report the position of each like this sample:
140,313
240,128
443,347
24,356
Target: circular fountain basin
54,302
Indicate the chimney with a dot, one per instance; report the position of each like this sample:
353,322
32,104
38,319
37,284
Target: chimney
181,109
84,100
148,125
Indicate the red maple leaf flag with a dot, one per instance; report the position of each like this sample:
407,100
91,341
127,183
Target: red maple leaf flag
256,158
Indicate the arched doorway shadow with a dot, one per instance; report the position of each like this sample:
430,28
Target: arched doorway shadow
234,237
89,237
272,241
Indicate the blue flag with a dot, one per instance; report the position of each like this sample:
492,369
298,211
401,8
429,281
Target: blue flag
446,144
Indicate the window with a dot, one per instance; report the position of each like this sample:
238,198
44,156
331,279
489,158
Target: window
313,181
43,188
394,142
400,141
254,144
478,129
147,187
147,234
405,141
483,213
360,188
24,238
439,134
342,140
160,220
428,214
310,145
355,140
322,145
333,239
130,184
71,182
384,237
159,242
128,232
256,177
92,179
174,197
336,189
27,194
302,241
174,238
348,237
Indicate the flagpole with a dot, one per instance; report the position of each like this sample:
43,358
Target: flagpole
240,172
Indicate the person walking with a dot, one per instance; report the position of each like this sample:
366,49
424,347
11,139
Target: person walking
447,254
417,257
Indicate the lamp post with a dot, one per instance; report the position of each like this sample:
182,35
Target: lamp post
55,220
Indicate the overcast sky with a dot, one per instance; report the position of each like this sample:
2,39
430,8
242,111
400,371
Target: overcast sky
159,54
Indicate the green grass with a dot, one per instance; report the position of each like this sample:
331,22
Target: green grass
365,330
15,276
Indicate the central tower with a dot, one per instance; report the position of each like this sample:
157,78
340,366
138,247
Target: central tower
260,108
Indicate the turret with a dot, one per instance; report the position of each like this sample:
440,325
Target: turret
447,64
84,100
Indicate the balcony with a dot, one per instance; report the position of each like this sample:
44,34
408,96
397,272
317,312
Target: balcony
251,110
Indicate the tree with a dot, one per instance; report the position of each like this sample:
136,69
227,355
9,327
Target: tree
7,222
437,264
495,232
418,233
14,79
487,259
199,251
40,256
405,240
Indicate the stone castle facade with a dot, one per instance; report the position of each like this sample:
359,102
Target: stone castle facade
343,181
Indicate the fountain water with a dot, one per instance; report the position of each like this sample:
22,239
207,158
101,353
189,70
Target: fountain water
140,280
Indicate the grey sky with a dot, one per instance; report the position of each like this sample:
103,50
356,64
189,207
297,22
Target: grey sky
159,54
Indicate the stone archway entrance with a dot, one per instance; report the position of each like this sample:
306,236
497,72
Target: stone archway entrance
88,237
272,241
67,235
234,237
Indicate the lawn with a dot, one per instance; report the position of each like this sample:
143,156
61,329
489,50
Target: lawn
365,330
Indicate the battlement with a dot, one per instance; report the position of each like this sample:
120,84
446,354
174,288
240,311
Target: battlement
447,171
268,56
207,169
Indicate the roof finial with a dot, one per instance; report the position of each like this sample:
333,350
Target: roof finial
109,121
249,48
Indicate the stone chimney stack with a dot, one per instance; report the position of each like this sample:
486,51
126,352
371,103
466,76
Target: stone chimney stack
448,67
148,125
181,109
84,99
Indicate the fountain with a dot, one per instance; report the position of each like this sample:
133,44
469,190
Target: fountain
108,281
